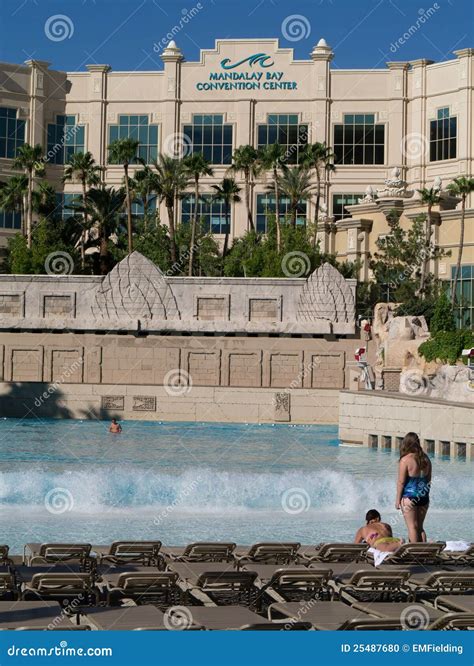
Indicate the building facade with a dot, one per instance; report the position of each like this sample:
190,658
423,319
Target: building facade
393,130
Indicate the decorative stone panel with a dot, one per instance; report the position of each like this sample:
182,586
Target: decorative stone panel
286,370
113,402
211,308
12,305
144,403
58,306
67,366
282,407
26,365
264,309
327,371
245,369
203,368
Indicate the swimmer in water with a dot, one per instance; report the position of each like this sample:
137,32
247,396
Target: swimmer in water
115,427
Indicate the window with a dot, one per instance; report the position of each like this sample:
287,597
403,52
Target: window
63,202
286,130
360,140
266,206
210,136
211,213
10,220
464,295
339,201
12,133
139,129
138,210
64,139
443,134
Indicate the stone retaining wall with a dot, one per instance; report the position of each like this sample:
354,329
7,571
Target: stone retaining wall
380,419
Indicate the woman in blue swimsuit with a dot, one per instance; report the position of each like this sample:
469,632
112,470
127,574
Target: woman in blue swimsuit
413,486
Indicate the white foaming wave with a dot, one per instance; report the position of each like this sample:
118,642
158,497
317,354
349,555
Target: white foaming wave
212,491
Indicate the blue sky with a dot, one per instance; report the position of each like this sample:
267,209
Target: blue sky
124,33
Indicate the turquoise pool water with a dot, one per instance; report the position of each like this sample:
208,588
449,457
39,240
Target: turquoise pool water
180,482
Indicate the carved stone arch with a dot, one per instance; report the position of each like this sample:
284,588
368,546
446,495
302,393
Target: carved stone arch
135,289
326,295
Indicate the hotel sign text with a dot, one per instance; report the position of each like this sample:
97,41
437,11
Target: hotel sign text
248,80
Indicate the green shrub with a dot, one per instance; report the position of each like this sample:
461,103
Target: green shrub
443,316
446,346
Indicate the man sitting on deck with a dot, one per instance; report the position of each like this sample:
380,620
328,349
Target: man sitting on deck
377,534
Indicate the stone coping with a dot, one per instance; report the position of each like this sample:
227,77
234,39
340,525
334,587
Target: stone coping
409,398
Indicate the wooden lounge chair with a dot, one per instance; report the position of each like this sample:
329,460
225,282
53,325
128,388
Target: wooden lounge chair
375,584
218,618
415,553
204,551
123,618
14,614
412,616
62,587
432,584
299,585
53,553
458,603
459,557
155,587
453,621
371,624
323,615
228,587
8,587
269,553
336,552
141,552
277,626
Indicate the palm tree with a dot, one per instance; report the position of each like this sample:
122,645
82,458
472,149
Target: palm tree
273,157
295,184
82,166
44,200
245,161
460,187
228,192
124,151
30,160
173,180
319,157
429,197
196,165
12,196
104,205
145,184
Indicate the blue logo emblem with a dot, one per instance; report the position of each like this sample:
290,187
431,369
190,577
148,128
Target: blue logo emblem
260,58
